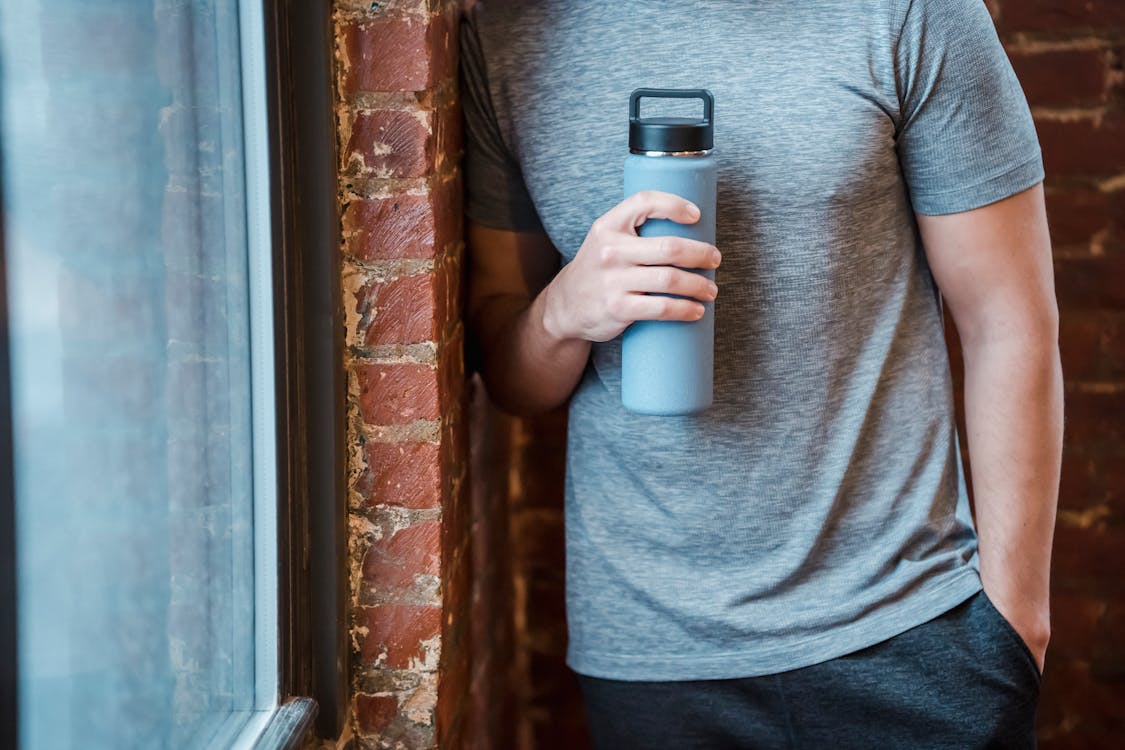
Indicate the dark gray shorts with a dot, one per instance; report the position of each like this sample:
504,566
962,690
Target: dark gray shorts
963,680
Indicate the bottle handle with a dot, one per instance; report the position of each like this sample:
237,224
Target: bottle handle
703,94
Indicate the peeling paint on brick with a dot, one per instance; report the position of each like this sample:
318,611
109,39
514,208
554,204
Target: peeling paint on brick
391,145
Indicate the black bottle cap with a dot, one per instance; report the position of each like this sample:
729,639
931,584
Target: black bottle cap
671,133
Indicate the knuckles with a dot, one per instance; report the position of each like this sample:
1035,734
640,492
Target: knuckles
616,305
608,254
600,227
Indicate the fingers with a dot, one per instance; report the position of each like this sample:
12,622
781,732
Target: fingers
630,213
665,251
669,280
656,307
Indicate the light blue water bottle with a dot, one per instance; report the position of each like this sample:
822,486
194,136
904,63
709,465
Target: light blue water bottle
667,366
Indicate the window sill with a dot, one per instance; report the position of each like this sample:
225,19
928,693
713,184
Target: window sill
283,728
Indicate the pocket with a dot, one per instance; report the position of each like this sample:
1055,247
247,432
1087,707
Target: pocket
1012,634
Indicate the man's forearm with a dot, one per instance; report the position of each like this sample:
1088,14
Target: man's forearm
1013,406
530,370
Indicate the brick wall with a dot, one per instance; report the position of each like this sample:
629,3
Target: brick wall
410,552
521,462
1069,56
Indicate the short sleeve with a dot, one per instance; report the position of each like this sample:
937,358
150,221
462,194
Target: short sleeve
495,192
965,136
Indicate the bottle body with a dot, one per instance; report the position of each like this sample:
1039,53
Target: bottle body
667,366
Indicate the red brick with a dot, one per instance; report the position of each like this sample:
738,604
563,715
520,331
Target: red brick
457,569
448,291
394,562
452,366
404,53
1077,484
457,595
559,725
1081,147
546,607
450,227
404,474
1074,623
1110,476
1094,477
374,713
397,393
1116,203
396,632
401,311
447,133
391,143
542,461
1075,216
404,226
1113,345
454,447
1095,418
455,690
1072,696
1079,344
1059,15
445,43
1081,737
1090,283
1109,646
547,675
1092,554
456,498
537,537
440,284
1062,77
398,227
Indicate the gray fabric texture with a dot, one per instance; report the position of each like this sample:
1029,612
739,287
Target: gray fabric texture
819,506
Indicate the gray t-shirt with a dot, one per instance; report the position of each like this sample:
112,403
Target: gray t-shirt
819,506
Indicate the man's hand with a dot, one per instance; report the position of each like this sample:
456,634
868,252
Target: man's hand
1030,620
534,323
598,294
993,266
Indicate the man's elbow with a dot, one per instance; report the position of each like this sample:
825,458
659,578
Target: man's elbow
507,389
1029,324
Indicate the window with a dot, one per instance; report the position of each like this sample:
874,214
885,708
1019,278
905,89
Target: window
139,173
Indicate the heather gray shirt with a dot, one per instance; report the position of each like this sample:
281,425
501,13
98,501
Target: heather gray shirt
818,507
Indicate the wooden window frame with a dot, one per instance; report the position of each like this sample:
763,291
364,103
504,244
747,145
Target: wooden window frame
311,428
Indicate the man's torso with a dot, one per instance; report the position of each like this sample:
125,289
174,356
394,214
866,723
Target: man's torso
817,506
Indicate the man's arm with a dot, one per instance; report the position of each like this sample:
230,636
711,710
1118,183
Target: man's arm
526,370
534,323
993,266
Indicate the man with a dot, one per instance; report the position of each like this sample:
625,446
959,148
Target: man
797,566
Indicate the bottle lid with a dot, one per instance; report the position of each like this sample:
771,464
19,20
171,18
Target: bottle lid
670,134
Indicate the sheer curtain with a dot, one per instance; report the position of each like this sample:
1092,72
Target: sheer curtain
121,142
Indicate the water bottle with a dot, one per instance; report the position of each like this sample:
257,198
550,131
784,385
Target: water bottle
667,366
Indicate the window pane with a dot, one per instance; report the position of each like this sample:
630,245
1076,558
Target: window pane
124,200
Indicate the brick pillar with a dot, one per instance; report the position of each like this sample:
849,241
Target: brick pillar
1068,55
402,277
